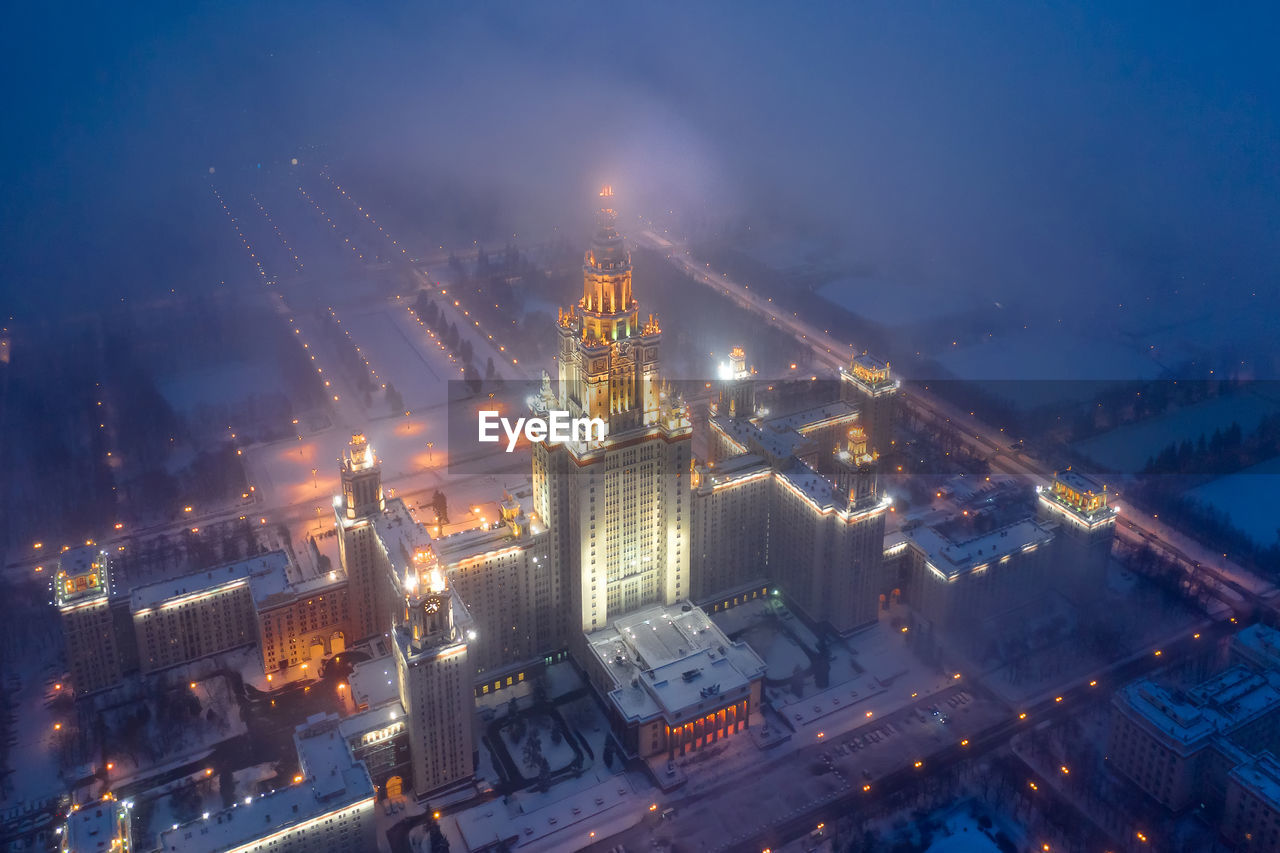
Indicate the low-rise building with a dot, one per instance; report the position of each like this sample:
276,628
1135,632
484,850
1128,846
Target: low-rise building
101,827
1251,815
330,810
1179,745
674,681
1257,647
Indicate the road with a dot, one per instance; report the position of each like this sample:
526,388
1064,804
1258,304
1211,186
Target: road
984,440
962,746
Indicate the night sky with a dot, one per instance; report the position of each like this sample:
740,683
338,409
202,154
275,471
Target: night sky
1098,148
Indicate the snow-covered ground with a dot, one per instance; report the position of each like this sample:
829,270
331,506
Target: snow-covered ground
398,349
1127,448
1248,498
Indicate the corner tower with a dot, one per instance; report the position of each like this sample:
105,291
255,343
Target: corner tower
435,678
868,383
356,510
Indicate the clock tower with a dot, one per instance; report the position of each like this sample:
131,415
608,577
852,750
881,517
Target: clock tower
435,677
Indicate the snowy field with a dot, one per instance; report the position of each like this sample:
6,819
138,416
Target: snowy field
1127,448
1246,497
403,355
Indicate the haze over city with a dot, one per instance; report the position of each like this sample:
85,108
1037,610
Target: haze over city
921,371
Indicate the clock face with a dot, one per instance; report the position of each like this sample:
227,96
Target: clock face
433,605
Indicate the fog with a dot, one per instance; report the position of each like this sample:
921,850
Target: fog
1069,157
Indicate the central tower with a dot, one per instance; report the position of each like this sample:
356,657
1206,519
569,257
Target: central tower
617,509
608,361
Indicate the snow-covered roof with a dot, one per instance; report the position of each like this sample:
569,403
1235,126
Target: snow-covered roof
373,682
816,417
1259,644
952,558
333,782
232,574
94,827
668,659
489,824
1260,777
1184,720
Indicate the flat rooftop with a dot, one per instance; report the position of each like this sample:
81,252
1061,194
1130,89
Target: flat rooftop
666,659
93,827
401,534
953,558
1260,777
735,468
154,594
79,559
815,417
1260,642
374,718
373,682
1217,706
281,583
333,782
811,484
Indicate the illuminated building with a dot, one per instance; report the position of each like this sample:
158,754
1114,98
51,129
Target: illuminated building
196,615
111,633
763,513
673,681
435,677
329,810
1086,526
379,738
960,575
729,525
736,396
82,589
100,826
300,619
616,510
869,384
826,548
355,509
503,571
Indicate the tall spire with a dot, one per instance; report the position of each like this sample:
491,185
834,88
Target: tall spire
609,310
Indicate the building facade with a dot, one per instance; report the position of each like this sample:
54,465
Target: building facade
193,616
435,680
1086,528
82,592
674,682
329,809
1179,746
355,511
868,383
617,509
300,622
